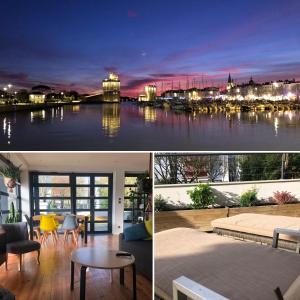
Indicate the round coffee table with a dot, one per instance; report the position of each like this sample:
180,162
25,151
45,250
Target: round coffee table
100,259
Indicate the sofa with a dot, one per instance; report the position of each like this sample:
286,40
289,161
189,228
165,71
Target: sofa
142,251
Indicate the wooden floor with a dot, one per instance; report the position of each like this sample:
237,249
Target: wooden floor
51,279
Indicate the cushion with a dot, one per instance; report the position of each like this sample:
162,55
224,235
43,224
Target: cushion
6,294
293,292
149,227
135,232
258,224
22,246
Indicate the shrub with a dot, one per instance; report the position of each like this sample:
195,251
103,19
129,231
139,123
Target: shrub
283,197
161,204
248,198
201,196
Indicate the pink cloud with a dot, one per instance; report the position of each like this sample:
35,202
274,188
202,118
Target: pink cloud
131,13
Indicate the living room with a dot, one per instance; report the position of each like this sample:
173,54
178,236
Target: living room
97,203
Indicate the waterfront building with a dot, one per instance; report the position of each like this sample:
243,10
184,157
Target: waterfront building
111,88
174,94
192,94
149,95
150,91
275,91
37,97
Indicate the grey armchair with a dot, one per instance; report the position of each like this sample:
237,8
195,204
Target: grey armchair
17,241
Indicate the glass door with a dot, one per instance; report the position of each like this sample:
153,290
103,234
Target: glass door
93,194
78,193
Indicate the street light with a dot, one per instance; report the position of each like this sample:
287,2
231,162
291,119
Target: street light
5,89
9,85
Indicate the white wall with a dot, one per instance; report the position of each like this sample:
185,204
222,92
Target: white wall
229,192
116,163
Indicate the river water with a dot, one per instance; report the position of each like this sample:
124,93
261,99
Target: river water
127,126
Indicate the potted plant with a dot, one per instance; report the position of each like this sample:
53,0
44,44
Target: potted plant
11,176
13,216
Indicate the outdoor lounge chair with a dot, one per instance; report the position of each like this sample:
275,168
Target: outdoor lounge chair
259,228
230,268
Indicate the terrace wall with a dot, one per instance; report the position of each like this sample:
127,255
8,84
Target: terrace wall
228,192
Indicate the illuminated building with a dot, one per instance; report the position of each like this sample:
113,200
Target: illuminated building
274,91
37,97
150,94
111,119
230,83
111,88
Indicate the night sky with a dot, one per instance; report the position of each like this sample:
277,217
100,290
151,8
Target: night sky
73,44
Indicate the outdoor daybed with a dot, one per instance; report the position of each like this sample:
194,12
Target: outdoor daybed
258,227
232,268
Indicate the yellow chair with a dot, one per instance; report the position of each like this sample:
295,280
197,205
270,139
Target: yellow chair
48,226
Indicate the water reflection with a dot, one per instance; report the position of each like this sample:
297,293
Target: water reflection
76,108
77,127
111,119
150,114
37,115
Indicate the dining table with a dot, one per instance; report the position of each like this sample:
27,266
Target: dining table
60,218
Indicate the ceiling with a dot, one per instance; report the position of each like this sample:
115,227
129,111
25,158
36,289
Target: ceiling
81,161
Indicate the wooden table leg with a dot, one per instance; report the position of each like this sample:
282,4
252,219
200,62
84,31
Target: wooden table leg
134,281
82,282
72,276
122,276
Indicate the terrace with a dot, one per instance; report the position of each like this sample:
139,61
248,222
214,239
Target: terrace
75,210
227,226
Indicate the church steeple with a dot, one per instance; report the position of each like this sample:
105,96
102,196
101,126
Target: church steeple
230,83
251,81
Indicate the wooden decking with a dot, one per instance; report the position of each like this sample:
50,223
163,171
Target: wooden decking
51,279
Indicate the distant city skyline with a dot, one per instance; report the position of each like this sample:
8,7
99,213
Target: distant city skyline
73,45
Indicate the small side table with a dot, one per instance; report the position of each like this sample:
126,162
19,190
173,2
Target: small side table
286,231
100,259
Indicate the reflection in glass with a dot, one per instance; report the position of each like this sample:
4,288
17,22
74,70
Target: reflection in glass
101,216
82,191
101,203
82,204
54,192
101,191
55,204
130,180
83,180
53,179
111,119
101,180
